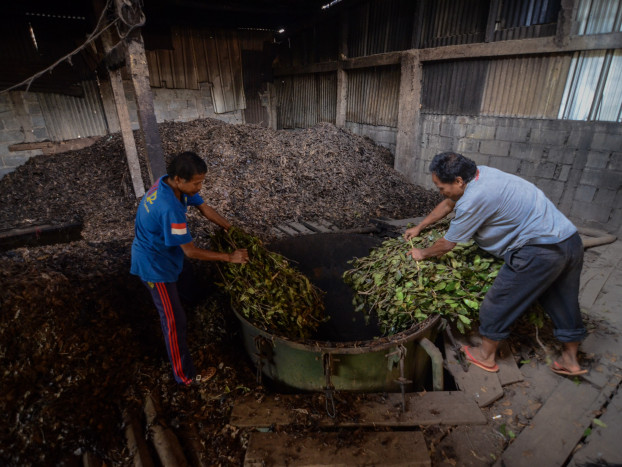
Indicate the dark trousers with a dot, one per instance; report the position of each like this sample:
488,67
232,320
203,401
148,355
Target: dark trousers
548,273
166,297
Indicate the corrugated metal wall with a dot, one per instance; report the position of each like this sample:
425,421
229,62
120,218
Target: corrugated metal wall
454,87
373,96
447,22
597,17
201,57
521,19
525,86
305,100
377,27
594,87
68,117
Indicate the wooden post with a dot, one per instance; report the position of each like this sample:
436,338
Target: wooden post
342,75
129,143
137,63
408,131
491,25
564,22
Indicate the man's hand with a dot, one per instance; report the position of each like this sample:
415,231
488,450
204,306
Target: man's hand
412,232
417,254
239,256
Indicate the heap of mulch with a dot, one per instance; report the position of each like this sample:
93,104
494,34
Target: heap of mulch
257,178
80,340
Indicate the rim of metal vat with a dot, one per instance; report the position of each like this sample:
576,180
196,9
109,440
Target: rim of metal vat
351,347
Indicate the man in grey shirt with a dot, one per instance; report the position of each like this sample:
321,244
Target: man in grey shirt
543,253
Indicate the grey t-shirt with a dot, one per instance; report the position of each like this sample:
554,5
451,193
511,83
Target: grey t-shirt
502,212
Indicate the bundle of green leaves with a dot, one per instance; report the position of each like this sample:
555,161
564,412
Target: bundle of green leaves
402,292
268,291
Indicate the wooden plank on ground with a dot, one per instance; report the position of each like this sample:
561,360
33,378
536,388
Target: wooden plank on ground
483,386
287,229
400,222
430,408
558,426
316,227
404,448
602,446
300,228
508,369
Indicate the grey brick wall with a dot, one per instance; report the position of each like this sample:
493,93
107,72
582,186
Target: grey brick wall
577,164
382,135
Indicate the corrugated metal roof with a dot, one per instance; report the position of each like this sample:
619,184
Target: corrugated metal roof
525,86
598,17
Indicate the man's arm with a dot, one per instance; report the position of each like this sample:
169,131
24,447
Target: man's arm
194,252
440,211
211,215
440,247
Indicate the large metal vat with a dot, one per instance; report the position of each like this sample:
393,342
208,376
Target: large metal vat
345,354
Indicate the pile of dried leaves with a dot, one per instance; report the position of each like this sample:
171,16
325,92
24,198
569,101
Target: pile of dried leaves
80,341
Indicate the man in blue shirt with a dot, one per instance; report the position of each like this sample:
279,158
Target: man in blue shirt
543,253
160,244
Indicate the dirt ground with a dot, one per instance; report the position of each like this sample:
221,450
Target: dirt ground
80,341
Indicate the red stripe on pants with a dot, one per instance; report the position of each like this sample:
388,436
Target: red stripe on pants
172,332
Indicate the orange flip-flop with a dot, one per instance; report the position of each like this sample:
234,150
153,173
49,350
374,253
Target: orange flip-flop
560,370
492,369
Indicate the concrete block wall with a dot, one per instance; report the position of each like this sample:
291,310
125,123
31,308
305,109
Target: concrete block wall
14,129
382,135
578,165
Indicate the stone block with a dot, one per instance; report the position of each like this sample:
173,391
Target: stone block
495,148
585,193
615,163
468,145
5,170
549,137
546,170
598,159
440,143
564,173
526,151
507,164
563,155
40,134
37,121
12,137
512,134
482,132
607,141
12,124
580,139
452,130
14,159
553,189
479,159
527,169
605,197
590,212
602,179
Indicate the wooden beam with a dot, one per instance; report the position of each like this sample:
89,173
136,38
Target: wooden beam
43,234
408,114
55,147
523,47
137,64
542,45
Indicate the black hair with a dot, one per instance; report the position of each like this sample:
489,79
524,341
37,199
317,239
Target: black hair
186,165
448,166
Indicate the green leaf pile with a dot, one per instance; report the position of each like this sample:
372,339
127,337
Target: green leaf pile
402,292
267,290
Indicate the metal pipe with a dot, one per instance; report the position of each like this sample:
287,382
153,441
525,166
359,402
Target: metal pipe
437,363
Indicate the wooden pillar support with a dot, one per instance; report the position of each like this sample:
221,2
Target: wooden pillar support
137,63
342,75
408,118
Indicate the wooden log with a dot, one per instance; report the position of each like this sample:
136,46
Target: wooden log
55,147
136,442
37,235
164,440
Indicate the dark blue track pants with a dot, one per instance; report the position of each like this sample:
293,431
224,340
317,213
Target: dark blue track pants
165,296
548,273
